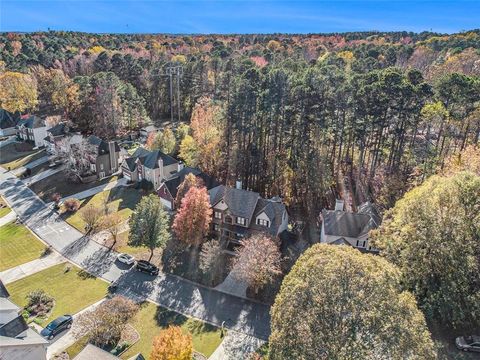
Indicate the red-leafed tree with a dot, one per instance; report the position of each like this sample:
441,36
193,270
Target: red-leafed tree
193,218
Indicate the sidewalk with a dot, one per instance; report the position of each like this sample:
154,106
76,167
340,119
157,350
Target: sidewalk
65,339
11,216
90,192
236,345
30,268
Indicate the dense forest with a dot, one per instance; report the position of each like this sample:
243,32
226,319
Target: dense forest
301,116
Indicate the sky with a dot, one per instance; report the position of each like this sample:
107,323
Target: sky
238,16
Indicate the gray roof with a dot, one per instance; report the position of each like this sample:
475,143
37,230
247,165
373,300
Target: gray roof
31,122
59,129
102,145
151,160
274,209
240,202
173,183
7,119
347,224
90,352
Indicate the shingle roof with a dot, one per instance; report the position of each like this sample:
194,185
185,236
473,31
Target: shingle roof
342,223
59,129
93,352
274,210
31,122
151,159
131,163
14,327
103,147
173,183
240,202
3,290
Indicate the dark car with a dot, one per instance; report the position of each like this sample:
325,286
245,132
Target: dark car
147,267
468,343
58,325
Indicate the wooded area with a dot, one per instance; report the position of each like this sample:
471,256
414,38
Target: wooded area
300,116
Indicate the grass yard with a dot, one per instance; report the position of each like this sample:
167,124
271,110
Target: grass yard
73,290
18,246
4,209
13,152
23,159
58,183
121,200
152,318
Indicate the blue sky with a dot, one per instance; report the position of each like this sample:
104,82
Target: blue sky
236,16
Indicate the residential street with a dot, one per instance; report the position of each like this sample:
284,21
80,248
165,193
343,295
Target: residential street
170,291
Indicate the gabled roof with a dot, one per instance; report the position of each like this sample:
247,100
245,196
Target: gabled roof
59,129
131,163
240,202
3,291
102,145
139,152
173,183
7,119
274,209
347,224
31,122
151,160
90,352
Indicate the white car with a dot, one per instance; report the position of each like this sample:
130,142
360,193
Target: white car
126,259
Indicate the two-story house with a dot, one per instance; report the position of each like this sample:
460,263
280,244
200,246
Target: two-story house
168,188
59,138
239,213
340,227
104,156
151,166
32,129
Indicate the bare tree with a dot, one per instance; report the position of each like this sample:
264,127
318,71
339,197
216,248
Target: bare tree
104,325
112,223
77,157
91,215
210,258
258,261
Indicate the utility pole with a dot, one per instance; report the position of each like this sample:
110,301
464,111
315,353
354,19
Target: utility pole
178,71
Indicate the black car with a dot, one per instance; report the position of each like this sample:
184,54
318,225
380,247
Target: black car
468,343
58,325
147,267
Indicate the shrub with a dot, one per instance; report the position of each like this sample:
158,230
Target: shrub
71,205
39,303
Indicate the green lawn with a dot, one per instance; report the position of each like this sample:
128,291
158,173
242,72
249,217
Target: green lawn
120,199
18,246
15,152
73,290
4,209
152,318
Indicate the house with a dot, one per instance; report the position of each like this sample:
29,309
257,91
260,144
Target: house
91,351
340,227
17,340
32,129
168,188
239,213
104,156
151,166
8,122
60,138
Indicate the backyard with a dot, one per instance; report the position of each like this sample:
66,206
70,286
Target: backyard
58,183
18,246
72,288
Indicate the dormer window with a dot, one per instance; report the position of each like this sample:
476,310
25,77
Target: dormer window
241,221
263,222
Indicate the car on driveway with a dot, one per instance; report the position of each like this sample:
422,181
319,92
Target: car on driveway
125,258
147,267
58,325
468,343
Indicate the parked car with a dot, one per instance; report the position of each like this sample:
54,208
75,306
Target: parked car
468,343
126,259
147,267
58,325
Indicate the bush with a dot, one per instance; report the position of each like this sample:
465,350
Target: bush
39,303
71,205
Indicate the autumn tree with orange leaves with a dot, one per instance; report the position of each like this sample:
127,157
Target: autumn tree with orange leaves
172,344
192,220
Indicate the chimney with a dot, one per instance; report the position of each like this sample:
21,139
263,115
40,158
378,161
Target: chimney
113,156
180,165
338,205
238,184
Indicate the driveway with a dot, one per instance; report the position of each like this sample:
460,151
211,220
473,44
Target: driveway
31,165
172,292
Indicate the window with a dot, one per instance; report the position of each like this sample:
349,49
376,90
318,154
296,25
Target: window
241,220
228,219
263,222
101,166
216,227
93,167
218,215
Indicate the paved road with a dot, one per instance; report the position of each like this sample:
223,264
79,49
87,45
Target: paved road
170,291
31,165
